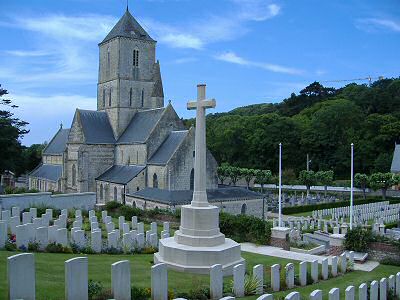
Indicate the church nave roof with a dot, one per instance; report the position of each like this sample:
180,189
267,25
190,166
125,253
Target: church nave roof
96,127
49,172
58,143
167,149
121,174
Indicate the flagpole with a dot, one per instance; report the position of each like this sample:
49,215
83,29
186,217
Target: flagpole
280,185
351,186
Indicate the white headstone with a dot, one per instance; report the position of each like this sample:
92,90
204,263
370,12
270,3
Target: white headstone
303,273
275,277
289,273
238,280
325,269
293,296
134,222
258,274
159,282
76,279
3,234
62,237
334,266
362,292
314,270
21,276
121,280
334,294
316,295
350,293
374,290
398,284
383,289
96,241
216,281
42,237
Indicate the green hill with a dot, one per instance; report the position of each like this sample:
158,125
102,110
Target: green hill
319,121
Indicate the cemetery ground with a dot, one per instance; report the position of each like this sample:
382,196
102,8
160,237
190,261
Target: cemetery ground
50,274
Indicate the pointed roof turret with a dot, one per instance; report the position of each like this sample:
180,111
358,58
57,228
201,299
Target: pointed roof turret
158,90
128,27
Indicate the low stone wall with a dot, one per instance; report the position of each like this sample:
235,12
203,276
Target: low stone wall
379,251
84,201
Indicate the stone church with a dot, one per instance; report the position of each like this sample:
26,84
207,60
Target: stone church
132,141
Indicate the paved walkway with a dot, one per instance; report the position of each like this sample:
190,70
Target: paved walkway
368,266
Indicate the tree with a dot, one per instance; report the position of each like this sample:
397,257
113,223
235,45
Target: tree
234,174
263,177
11,130
382,181
248,175
307,178
361,181
325,178
223,172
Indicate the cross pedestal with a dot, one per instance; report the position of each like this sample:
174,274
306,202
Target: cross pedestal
199,244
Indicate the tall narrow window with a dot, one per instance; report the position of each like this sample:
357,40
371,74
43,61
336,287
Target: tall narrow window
101,192
135,58
155,181
142,98
73,175
192,179
108,60
104,97
130,97
109,97
115,194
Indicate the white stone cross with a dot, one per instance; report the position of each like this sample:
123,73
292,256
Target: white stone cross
200,174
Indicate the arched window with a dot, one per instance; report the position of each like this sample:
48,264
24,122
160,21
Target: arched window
135,58
143,98
104,97
109,97
107,193
155,181
192,179
115,194
133,204
130,97
122,196
243,209
101,192
73,175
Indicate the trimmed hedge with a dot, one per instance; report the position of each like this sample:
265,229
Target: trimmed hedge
306,208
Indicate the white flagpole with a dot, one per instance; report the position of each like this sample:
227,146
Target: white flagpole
351,186
280,185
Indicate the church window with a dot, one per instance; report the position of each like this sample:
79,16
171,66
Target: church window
155,181
192,179
108,59
104,97
109,97
101,192
130,97
73,175
135,58
194,153
122,196
115,194
137,188
142,98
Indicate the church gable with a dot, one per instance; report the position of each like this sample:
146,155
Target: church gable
76,132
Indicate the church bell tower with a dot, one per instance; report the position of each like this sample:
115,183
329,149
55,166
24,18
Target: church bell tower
129,75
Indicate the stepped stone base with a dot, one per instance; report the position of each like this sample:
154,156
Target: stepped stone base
194,259
280,237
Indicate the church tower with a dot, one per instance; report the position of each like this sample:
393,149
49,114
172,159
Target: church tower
129,75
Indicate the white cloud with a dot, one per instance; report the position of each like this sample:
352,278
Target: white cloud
374,24
257,10
232,57
25,53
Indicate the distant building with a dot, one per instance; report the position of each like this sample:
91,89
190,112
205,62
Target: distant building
395,168
7,179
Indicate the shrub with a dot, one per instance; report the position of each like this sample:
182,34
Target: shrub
112,205
10,246
244,228
358,239
140,293
33,246
95,289
54,248
113,251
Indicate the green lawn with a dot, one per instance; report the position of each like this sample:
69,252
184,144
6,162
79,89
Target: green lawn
50,273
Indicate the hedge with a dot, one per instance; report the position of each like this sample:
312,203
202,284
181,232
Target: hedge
306,208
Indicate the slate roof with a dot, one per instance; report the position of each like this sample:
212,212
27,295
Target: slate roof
168,148
158,90
184,197
128,27
96,127
49,172
121,174
140,127
58,143
395,168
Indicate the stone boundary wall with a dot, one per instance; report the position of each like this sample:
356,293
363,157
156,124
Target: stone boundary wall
83,201
378,251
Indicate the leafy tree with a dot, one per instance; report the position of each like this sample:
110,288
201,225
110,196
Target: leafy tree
361,181
248,175
263,177
234,174
223,172
11,130
307,178
325,178
382,181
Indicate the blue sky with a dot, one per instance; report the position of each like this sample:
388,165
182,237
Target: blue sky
246,51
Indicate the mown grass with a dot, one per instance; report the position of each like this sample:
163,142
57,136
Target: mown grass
50,274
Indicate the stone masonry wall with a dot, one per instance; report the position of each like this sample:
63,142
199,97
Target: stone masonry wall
379,251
